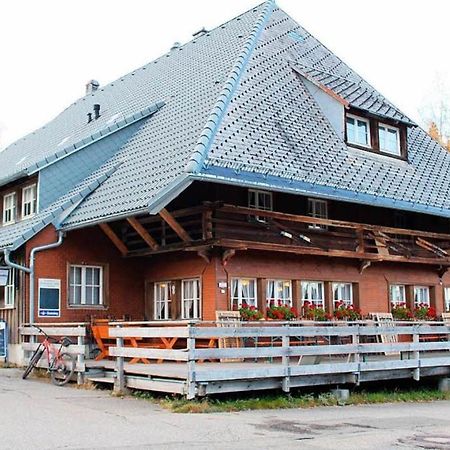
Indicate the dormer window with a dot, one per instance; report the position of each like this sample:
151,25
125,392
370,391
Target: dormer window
9,208
358,130
383,136
389,138
29,201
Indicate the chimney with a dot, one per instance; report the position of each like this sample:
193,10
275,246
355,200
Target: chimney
92,86
89,117
96,111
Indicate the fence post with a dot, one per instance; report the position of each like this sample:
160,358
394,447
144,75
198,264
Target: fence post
285,345
416,354
119,382
191,387
80,357
356,355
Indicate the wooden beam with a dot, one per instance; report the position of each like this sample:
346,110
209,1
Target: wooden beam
173,223
114,238
143,233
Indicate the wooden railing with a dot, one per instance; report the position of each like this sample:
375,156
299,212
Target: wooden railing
77,332
237,227
282,355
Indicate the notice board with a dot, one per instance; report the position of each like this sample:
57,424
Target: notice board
49,297
3,339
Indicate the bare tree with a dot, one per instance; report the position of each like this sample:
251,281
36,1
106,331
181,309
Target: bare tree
435,111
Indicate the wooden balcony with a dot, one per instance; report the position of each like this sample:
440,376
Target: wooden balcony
229,227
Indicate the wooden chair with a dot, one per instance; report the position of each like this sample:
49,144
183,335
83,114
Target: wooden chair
385,320
229,319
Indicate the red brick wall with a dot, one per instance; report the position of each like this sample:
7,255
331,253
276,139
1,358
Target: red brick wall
127,277
123,277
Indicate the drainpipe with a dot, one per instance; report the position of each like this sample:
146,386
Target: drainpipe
30,270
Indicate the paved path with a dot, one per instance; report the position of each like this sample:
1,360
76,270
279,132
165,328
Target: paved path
36,415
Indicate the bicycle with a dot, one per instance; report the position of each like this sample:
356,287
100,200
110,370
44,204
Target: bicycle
61,365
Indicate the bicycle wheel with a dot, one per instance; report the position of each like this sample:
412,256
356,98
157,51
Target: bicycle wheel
33,361
62,369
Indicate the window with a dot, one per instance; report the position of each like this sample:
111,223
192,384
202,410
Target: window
319,210
29,201
190,294
163,300
447,299
421,295
260,200
397,294
313,292
358,131
343,292
9,289
86,286
279,292
243,292
9,208
389,138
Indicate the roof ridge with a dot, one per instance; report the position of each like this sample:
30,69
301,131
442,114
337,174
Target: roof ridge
214,120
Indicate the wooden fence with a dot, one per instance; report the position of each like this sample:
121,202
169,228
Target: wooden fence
77,332
282,355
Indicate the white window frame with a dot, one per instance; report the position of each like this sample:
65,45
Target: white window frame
336,286
9,290
313,212
279,286
10,211
397,130
239,300
425,289
32,202
196,299
361,119
307,286
167,287
84,286
257,205
397,290
447,298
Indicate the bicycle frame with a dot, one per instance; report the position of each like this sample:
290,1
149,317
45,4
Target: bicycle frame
52,352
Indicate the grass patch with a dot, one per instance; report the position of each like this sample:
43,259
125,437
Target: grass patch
269,401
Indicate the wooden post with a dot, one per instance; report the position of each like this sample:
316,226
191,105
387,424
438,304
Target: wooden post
80,358
191,387
416,354
356,355
285,358
119,382
207,224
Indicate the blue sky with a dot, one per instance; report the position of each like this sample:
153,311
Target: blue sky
51,48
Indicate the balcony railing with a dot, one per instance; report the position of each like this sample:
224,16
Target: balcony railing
236,227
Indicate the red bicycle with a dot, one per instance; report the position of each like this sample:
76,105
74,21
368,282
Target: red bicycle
61,364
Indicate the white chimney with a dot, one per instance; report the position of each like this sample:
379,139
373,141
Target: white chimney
92,86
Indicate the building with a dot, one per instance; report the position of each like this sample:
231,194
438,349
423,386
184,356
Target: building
139,199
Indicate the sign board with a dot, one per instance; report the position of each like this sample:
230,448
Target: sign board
3,339
4,275
49,297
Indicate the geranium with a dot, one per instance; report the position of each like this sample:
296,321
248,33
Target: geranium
424,312
401,312
313,312
342,311
250,313
281,312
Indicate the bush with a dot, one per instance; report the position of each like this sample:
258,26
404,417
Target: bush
281,312
401,312
250,313
346,312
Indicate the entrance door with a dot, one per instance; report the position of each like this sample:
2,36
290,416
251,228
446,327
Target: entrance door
158,300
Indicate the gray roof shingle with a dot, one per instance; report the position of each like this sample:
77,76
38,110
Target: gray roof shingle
237,111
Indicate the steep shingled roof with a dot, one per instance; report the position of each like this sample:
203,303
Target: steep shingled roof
237,111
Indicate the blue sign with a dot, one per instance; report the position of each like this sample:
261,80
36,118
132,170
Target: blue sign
3,339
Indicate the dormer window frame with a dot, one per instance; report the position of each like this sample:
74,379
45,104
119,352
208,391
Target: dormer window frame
374,131
358,118
29,205
9,211
399,145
